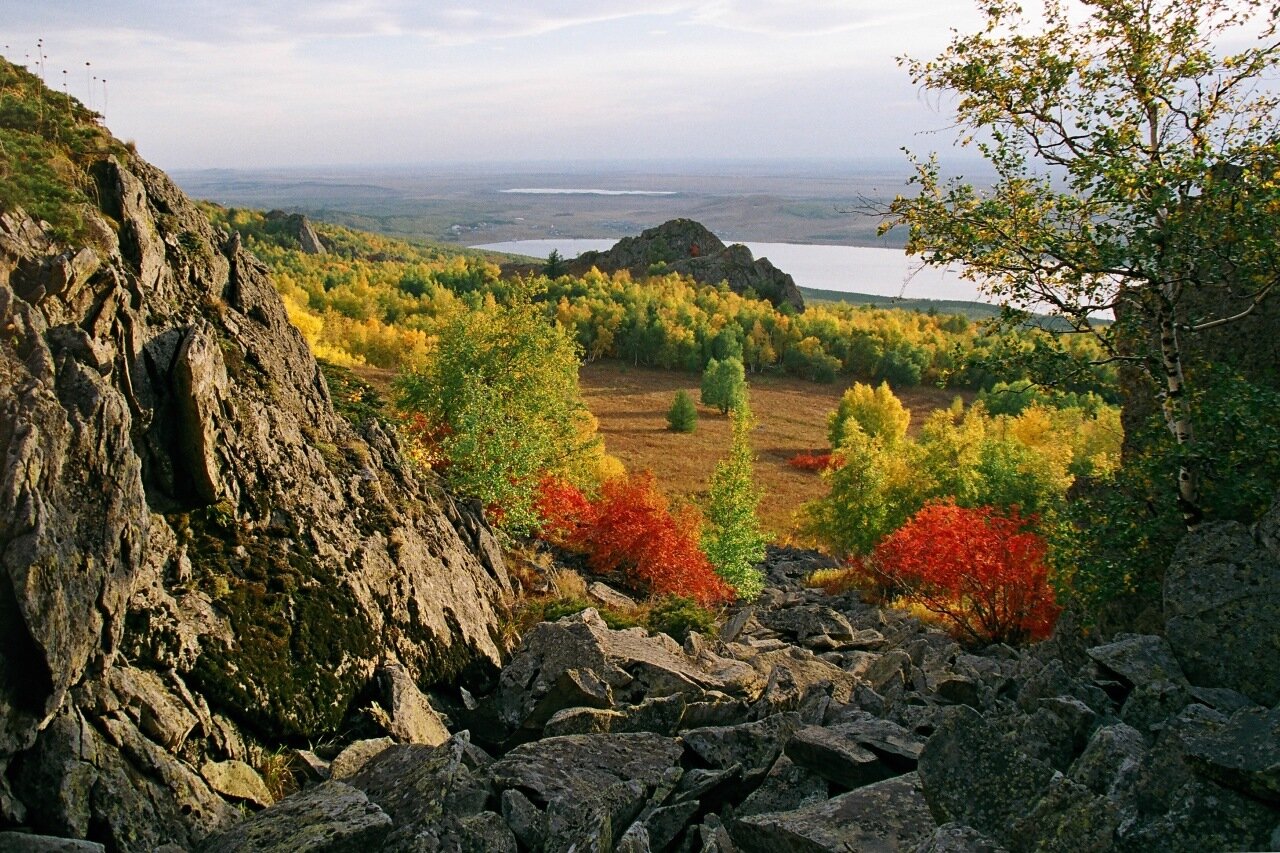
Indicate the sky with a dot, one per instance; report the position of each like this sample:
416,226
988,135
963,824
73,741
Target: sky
247,83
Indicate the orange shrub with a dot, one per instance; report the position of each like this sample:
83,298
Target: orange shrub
979,569
563,510
810,461
630,530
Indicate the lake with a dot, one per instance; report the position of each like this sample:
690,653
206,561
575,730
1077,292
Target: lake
851,269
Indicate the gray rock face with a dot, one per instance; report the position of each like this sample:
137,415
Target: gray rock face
332,817
1222,605
887,816
1244,754
972,777
685,246
176,491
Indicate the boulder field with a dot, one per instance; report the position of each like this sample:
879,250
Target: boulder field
821,723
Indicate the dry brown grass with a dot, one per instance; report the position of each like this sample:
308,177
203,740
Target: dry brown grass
631,404
791,416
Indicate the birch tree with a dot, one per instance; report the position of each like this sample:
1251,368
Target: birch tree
1136,153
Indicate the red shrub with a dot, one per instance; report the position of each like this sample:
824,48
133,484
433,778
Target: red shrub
631,530
981,570
810,461
563,510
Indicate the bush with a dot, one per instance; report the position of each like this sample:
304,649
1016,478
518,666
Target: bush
807,461
631,531
677,615
977,568
724,383
501,394
683,415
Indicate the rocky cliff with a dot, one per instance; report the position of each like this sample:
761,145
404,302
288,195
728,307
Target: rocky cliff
199,559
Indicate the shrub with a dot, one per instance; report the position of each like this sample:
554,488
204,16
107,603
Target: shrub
683,415
677,615
807,461
977,568
724,383
732,538
631,531
501,389
835,581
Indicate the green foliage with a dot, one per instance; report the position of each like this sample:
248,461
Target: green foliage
1114,543
555,265
354,400
676,616
288,671
1026,462
877,411
731,535
48,141
1136,172
724,384
683,414
501,390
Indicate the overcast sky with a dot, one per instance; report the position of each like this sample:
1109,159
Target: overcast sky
314,82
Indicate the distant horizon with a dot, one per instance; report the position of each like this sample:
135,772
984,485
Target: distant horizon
241,84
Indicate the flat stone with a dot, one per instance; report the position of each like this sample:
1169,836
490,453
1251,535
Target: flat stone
836,757
355,755
405,713
1222,606
972,776
1244,754
332,817
21,842
1140,660
891,815
609,596
237,780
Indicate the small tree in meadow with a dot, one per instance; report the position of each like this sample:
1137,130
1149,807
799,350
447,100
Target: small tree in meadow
879,413
724,383
731,537
683,415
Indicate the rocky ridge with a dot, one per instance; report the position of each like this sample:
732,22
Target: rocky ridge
688,247
821,723
199,559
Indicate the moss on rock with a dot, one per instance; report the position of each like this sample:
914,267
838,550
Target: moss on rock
301,644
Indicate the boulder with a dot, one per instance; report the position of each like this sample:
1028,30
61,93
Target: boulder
21,842
419,786
237,780
888,816
404,712
1243,754
591,787
1139,660
1221,605
331,817
753,746
958,838
356,755
971,776
787,787
836,757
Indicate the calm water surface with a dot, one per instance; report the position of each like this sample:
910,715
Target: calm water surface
852,269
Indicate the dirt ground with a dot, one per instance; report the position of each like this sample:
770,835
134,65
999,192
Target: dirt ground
631,404
791,417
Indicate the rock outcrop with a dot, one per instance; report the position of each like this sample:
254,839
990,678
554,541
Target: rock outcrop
198,558
685,246
820,723
300,228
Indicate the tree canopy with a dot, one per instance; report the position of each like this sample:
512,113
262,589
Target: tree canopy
1137,173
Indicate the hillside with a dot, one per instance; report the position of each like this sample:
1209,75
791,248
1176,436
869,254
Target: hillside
201,559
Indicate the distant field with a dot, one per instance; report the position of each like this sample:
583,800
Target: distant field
631,404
